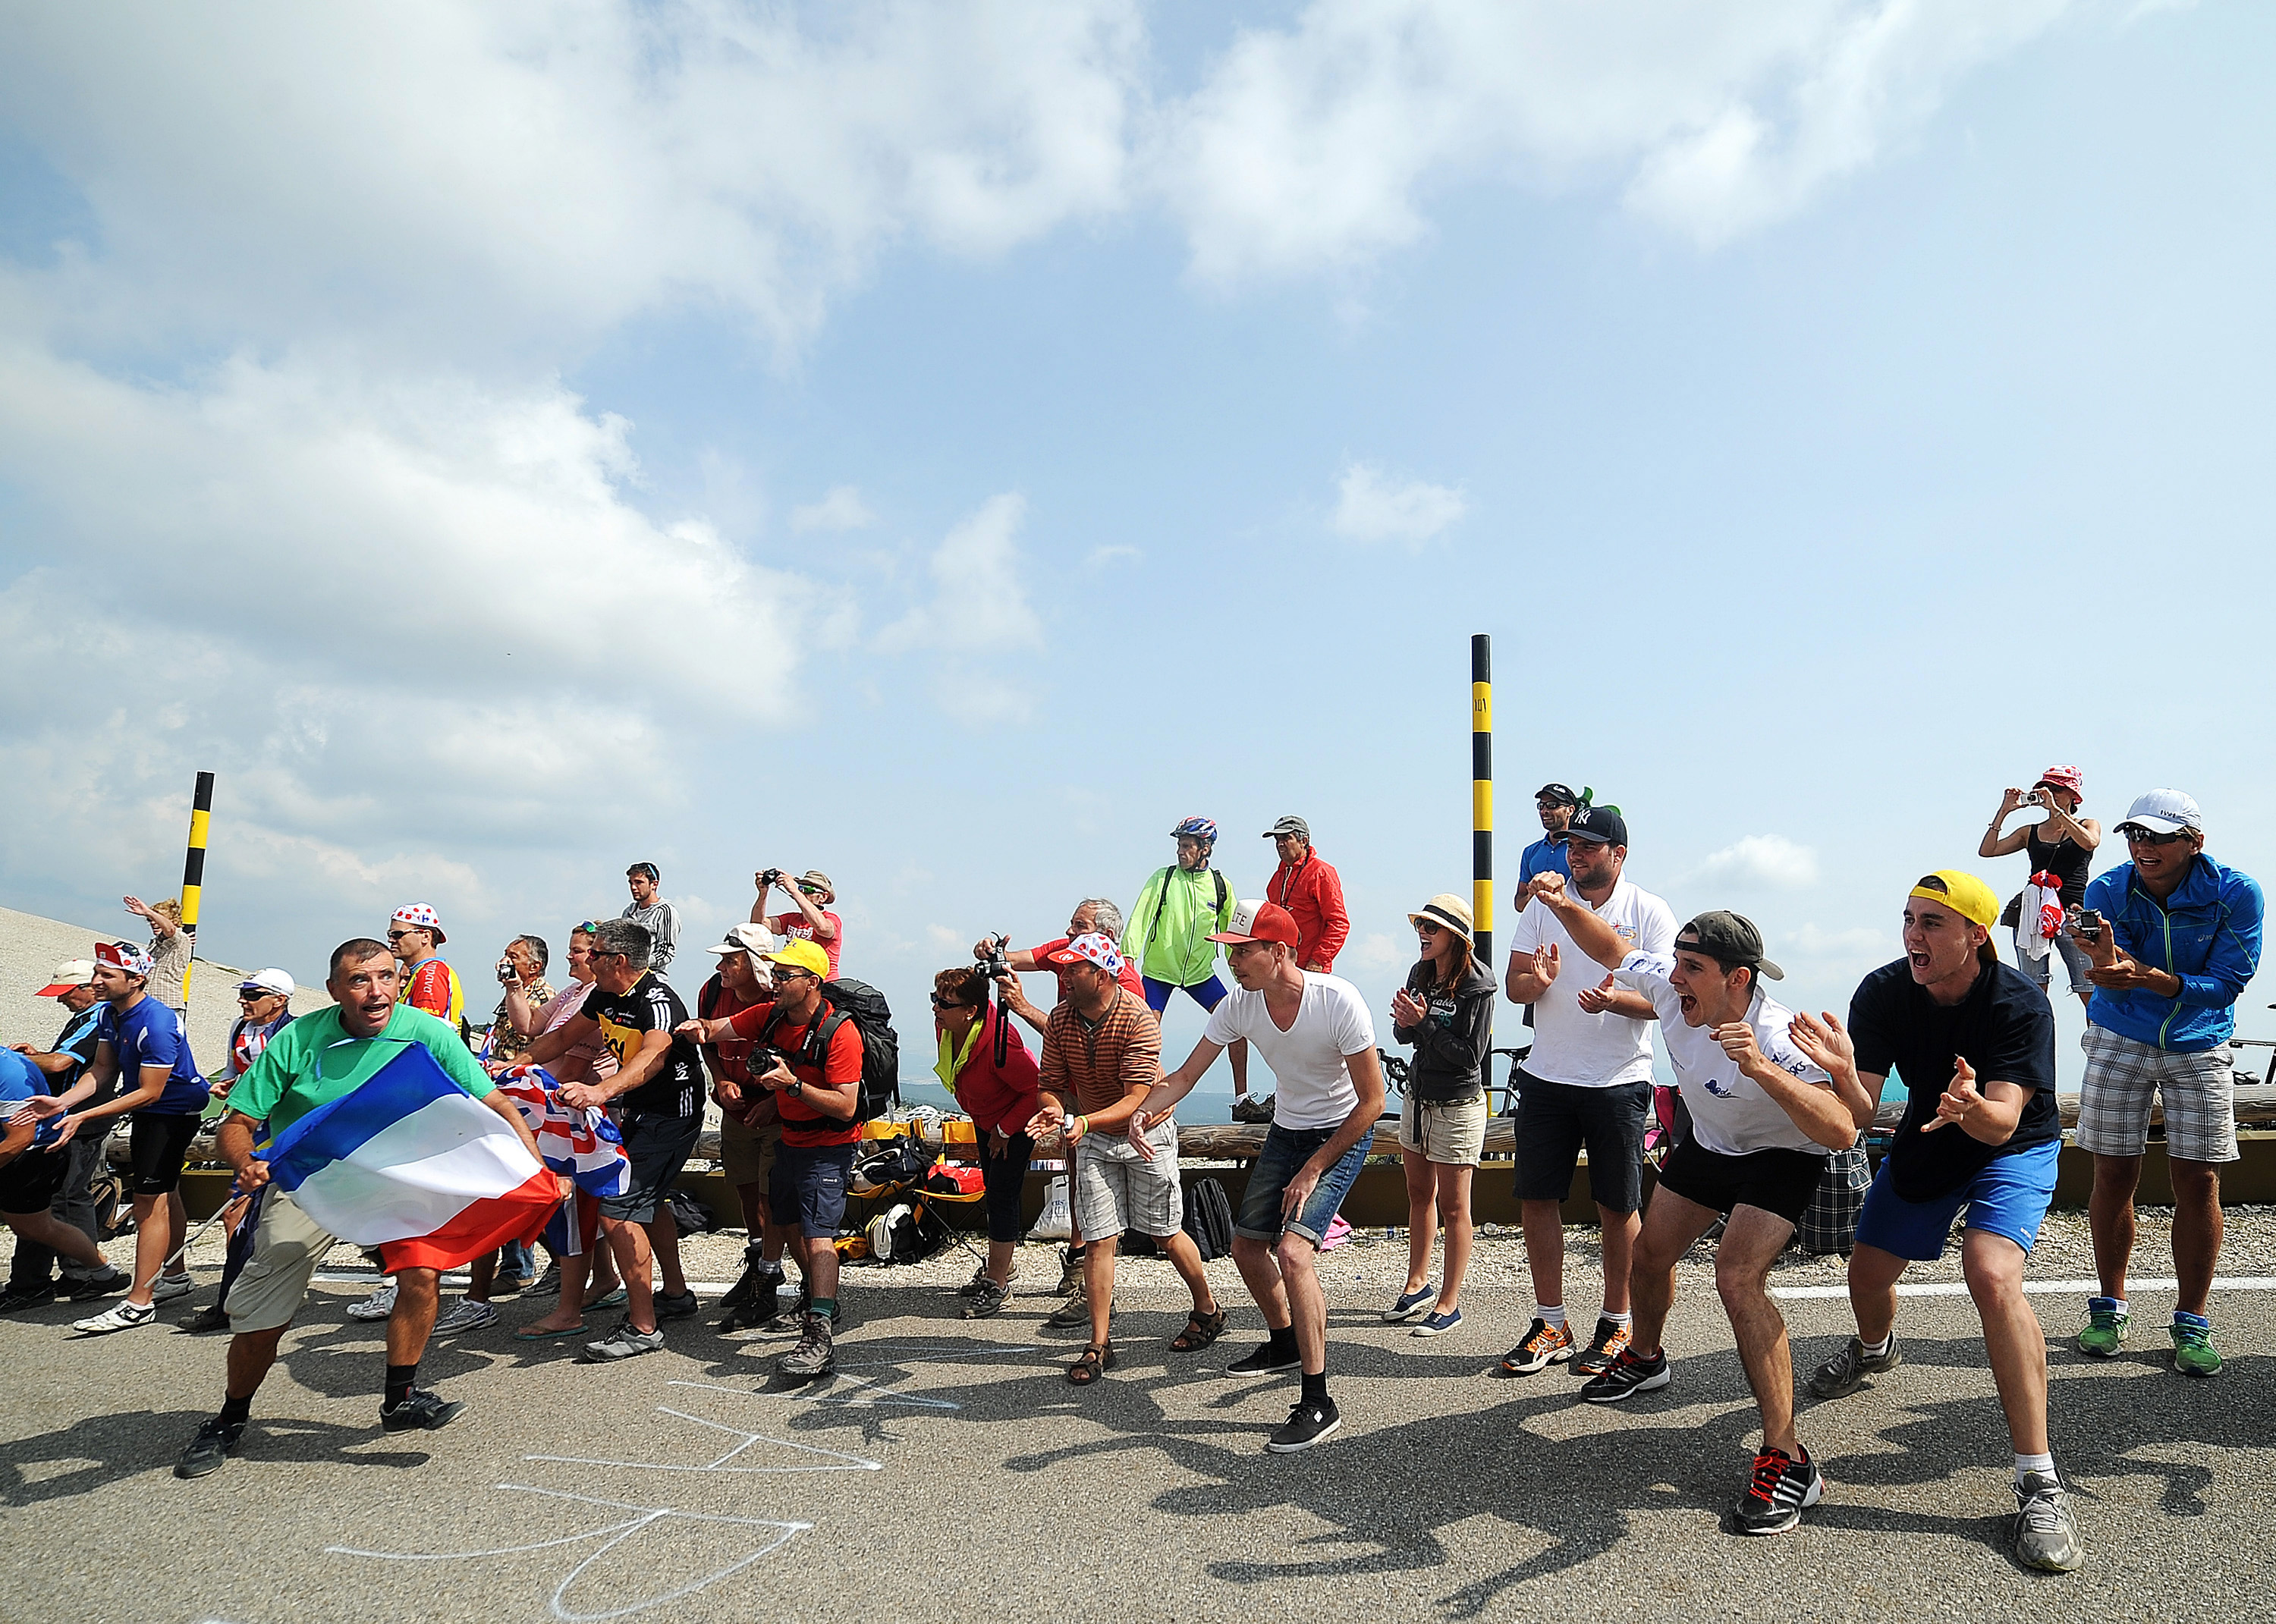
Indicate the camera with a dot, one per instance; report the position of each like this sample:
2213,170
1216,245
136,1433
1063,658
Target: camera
2036,797
505,971
770,877
764,1058
2086,923
993,963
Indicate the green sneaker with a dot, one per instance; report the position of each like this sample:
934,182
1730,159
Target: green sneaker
2194,1353
2105,1328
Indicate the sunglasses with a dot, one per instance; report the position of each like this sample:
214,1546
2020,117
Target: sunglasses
939,1002
1429,927
397,936
590,928
2136,835
243,996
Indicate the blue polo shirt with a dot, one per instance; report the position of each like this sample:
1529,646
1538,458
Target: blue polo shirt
150,1033
1541,857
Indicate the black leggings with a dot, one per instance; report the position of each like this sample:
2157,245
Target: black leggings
1006,1178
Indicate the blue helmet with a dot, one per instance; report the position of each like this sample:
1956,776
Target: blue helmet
1199,828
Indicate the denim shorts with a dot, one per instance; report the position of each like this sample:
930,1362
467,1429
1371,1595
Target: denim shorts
2009,1197
1286,1151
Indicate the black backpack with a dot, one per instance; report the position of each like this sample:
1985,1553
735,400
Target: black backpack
881,1048
1209,1218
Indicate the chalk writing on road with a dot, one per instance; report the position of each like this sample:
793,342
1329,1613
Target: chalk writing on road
825,1460
613,1536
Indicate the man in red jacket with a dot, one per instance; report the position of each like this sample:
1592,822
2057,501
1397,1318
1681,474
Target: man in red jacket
1313,893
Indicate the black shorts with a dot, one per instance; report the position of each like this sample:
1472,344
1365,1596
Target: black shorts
29,1183
158,1147
808,1189
1777,1180
1554,1119
658,1147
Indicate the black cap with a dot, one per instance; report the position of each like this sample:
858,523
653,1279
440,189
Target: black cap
1728,938
1556,794
1600,824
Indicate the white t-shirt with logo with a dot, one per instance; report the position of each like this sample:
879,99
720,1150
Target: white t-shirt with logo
1569,1045
1314,1087
1730,1113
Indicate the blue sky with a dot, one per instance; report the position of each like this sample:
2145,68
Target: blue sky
946,445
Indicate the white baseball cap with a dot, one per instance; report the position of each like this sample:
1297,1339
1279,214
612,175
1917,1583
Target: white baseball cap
71,973
2163,812
745,938
270,980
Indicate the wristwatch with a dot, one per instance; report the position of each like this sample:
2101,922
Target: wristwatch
796,1088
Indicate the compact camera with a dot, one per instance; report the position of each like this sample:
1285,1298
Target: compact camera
770,877
505,971
2085,924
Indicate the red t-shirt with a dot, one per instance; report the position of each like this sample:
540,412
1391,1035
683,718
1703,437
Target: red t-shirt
1128,977
802,1125
794,925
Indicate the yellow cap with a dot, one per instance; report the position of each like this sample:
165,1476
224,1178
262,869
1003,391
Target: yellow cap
1963,894
801,954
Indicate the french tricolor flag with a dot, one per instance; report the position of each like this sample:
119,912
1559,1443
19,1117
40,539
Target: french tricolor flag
412,1164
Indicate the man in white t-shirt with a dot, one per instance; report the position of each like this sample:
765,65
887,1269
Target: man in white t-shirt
1588,1081
1315,1034
1763,1116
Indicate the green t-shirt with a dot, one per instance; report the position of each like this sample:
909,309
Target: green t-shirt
313,1061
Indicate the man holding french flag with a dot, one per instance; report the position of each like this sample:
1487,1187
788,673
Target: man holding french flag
386,1134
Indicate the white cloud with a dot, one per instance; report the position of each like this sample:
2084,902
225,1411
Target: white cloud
1101,557
842,509
980,603
1763,862
1371,508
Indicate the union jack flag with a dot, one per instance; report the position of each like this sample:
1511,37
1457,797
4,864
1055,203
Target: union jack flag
580,1141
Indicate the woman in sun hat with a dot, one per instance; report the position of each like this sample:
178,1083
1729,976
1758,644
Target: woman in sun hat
1445,1012
2067,856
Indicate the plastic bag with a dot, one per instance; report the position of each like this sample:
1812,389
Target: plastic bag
1056,1222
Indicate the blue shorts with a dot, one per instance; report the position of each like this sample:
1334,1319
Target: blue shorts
1208,993
809,1187
2009,1198
1286,1150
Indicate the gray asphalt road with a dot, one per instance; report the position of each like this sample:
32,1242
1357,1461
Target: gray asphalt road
949,1468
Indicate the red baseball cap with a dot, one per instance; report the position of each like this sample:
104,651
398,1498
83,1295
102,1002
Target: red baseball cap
1259,921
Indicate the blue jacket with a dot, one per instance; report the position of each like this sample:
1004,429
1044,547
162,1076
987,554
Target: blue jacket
2207,933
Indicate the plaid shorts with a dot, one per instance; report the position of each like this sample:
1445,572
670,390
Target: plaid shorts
2122,1076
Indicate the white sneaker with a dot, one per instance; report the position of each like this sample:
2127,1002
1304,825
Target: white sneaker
466,1315
117,1316
379,1305
170,1286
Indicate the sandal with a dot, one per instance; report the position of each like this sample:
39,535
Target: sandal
1093,1363
1200,1330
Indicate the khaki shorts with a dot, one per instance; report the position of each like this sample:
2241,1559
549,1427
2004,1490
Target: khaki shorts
747,1155
287,1246
1451,1133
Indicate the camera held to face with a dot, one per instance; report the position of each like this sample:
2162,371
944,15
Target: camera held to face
770,877
994,963
506,974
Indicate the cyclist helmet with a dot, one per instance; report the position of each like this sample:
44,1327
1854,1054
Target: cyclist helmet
1199,828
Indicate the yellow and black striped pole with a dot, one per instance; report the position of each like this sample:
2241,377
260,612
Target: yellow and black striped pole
1482,898
194,872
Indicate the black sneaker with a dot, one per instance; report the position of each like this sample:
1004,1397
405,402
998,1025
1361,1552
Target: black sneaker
1626,1375
1780,1489
427,1411
1266,1357
683,1306
1545,1345
1310,1419
27,1297
813,1355
214,1317
1610,1341
1851,1368
109,1283
216,1442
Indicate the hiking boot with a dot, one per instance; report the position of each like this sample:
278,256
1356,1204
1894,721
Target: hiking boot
109,1283
746,1282
117,1316
1545,1345
1611,1339
1781,1490
1310,1419
1076,1310
2194,1353
214,1317
27,1297
1070,1272
2046,1536
1848,1369
623,1343
2105,1328
1626,1375
813,1355
466,1315
216,1442
424,1412
1248,1110
379,1305
760,1305
988,1301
